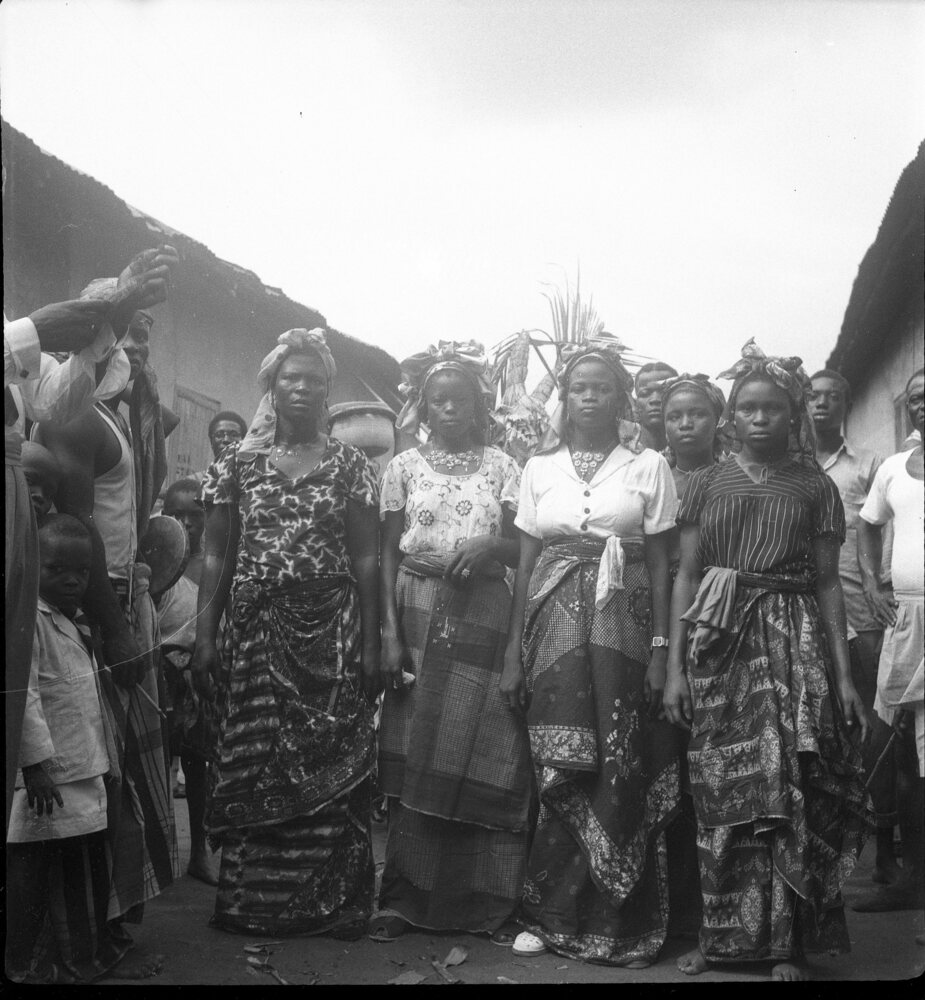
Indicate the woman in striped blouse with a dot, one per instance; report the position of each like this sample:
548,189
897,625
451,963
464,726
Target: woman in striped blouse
767,691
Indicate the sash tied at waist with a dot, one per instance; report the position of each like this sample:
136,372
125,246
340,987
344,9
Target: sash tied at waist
611,554
713,609
436,563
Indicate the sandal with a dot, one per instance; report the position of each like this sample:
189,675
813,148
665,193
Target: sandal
505,935
386,928
527,945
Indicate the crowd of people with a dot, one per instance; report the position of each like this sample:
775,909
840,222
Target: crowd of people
659,678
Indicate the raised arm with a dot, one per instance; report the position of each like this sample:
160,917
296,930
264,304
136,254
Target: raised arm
835,625
513,685
362,530
220,551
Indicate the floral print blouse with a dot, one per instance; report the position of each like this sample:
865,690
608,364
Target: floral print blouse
291,529
442,511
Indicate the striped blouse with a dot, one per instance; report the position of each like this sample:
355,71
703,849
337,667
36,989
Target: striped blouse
762,527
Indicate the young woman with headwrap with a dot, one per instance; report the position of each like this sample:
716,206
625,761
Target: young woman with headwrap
453,760
586,661
759,672
292,532
692,409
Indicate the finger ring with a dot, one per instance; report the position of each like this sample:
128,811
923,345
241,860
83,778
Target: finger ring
465,573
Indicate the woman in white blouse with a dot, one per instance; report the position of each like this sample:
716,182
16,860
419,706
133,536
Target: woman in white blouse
453,760
586,661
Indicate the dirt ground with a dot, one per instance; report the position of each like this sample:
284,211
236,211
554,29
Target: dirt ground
176,926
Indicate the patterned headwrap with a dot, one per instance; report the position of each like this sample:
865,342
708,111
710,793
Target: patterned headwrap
786,374
262,432
712,393
608,350
467,358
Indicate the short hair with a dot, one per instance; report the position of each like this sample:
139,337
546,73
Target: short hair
229,415
653,366
836,377
182,486
63,526
916,374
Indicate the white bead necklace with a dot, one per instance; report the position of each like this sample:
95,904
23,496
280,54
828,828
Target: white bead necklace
451,460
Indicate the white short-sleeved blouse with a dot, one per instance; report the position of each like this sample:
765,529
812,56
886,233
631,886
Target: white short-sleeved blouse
629,496
441,511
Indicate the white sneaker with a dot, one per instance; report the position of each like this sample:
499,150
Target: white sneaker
528,945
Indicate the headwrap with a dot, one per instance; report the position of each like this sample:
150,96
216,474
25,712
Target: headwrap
261,434
608,350
467,358
786,374
714,395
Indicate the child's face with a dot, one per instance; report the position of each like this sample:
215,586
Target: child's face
41,490
188,511
64,570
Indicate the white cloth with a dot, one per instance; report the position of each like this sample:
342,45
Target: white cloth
898,497
442,511
629,496
50,392
63,720
176,614
83,812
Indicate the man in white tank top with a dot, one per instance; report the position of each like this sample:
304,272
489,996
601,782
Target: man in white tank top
96,453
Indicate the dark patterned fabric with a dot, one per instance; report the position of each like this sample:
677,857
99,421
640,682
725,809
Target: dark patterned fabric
76,945
607,775
455,761
445,875
762,527
295,728
305,875
291,529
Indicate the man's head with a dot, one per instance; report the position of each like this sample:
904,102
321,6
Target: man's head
224,429
64,562
136,344
829,400
43,475
915,399
649,394
182,502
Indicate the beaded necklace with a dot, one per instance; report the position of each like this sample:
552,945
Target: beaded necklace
451,460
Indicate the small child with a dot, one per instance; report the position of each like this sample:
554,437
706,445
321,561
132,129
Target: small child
58,869
43,474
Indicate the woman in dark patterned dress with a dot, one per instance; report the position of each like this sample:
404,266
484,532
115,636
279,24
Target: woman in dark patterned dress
767,691
292,530
587,648
453,760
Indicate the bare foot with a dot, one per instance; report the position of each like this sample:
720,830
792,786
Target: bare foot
138,967
203,866
692,963
790,972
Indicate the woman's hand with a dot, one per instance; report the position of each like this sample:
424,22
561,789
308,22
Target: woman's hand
881,603
654,684
677,699
475,555
394,662
204,667
856,716
513,684
40,789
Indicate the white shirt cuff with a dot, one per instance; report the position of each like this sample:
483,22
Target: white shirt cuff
21,340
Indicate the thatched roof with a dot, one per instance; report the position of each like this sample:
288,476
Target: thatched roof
54,213
890,277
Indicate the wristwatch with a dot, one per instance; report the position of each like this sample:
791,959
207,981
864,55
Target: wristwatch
658,641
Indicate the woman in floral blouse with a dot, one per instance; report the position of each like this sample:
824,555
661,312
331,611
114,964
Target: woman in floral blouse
292,531
453,760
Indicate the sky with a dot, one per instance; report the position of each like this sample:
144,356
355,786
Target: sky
417,169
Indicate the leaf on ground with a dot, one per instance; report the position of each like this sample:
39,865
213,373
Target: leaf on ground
407,979
253,972
396,961
504,979
256,949
446,976
259,962
561,967
457,956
